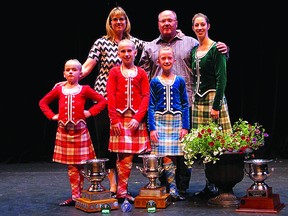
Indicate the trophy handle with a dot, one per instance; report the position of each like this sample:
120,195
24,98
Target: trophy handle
84,173
139,168
246,172
272,170
161,171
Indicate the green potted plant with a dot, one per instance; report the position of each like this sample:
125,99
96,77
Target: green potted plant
208,141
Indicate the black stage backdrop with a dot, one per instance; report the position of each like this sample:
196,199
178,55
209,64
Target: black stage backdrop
41,36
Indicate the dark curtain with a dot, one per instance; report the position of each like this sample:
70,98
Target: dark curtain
46,34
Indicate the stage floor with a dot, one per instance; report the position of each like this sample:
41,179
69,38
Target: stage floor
36,189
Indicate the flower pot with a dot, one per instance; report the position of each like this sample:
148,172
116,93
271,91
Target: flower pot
225,174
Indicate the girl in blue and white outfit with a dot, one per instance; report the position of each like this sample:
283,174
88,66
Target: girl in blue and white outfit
168,116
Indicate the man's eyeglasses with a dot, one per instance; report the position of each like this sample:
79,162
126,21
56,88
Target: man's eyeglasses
166,20
121,19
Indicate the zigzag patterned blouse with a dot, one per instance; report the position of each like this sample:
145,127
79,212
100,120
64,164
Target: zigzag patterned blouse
104,51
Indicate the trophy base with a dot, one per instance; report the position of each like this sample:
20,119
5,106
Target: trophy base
87,205
161,191
269,204
92,201
159,195
99,195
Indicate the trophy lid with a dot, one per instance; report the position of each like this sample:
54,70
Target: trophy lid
151,156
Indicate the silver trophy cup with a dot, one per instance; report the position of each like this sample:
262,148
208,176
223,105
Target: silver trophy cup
258,172
152,169
95,171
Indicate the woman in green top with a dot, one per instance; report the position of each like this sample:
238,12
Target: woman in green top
210,78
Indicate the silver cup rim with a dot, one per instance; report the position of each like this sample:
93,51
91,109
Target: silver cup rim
97,160
151,156
258,161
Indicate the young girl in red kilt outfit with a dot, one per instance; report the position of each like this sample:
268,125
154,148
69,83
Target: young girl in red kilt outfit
73,145
128,99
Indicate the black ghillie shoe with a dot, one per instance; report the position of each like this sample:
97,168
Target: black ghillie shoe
113,194
177,198
68,202
206,193
128,197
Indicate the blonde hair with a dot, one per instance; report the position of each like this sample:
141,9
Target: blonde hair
110,32
127,41
78,63
166,48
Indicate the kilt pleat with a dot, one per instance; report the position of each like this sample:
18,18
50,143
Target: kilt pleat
131,141
168,127
73,144
201,112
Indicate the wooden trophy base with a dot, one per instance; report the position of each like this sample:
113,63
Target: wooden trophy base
269,204
106,194
159,195
92,201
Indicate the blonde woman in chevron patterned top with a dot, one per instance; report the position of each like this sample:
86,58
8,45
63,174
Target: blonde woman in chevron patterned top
104,52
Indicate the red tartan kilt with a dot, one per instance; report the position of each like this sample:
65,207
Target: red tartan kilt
130,141
73,144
